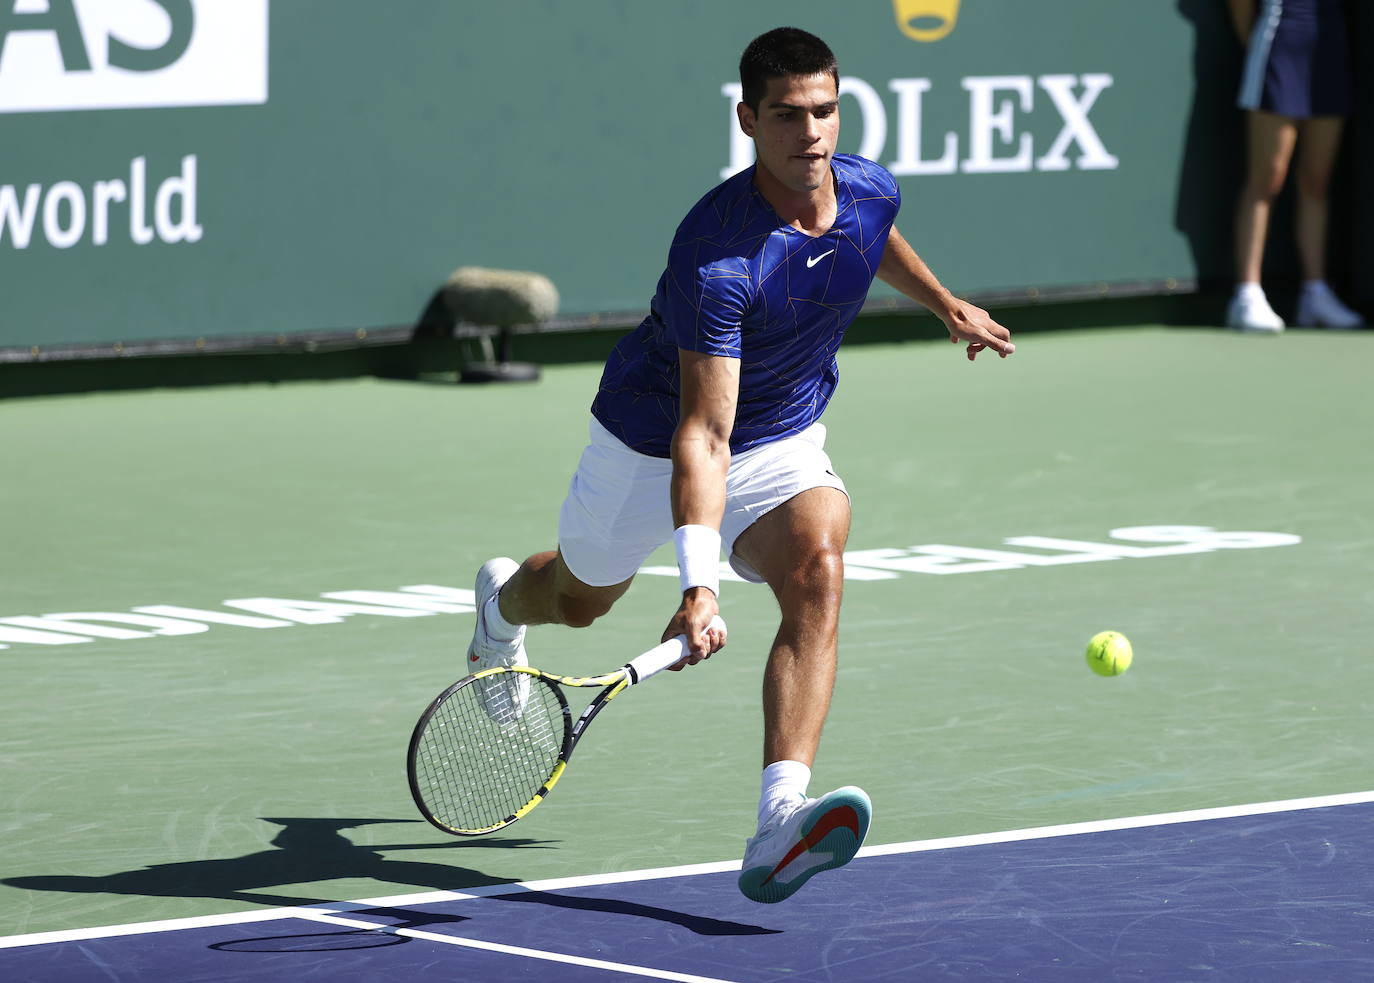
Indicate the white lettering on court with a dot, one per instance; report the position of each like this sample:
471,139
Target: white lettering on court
69,628
889,563
427,600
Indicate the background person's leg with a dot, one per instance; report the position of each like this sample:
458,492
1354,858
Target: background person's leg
1319,142
1270,140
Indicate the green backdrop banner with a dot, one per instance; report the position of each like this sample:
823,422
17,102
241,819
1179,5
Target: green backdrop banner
174,169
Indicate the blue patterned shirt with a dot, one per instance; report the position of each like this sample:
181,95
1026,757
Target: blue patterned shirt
743,284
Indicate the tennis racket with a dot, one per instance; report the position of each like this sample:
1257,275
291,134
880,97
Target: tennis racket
494,744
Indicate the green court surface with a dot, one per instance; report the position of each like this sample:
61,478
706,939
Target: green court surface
141,776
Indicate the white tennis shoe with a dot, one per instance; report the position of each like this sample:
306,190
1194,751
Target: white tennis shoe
503,697
1250,311
802,838
1319,307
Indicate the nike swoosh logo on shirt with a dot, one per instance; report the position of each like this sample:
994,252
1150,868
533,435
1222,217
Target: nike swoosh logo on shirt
813,260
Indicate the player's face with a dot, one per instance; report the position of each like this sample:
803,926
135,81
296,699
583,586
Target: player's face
795,129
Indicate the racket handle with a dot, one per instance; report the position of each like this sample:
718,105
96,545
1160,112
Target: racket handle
662,656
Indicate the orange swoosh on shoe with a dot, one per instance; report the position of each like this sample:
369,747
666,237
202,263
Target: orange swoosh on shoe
842,818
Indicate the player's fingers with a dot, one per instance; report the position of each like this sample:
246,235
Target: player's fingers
698,646
688,659
999,339
699,643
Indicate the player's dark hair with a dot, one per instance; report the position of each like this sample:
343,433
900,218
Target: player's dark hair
781,52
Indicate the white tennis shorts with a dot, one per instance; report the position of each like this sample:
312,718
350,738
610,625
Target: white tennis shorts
618,510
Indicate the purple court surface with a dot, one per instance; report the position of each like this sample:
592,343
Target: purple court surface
1279,892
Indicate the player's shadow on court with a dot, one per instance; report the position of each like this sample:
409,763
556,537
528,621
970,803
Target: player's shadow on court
305,851
309,851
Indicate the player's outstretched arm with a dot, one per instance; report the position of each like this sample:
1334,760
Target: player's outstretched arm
902,269
701,458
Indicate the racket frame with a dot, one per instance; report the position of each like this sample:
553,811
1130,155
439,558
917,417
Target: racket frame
612,684
637,670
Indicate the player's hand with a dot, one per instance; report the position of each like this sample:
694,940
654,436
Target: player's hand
693,619
975,326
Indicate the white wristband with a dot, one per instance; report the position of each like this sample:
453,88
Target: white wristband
698,557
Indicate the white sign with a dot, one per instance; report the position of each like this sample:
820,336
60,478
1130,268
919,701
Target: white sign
128,54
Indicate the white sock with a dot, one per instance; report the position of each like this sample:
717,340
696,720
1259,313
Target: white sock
1250,291
782,780
498,628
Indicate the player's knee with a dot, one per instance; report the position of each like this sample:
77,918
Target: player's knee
580,612
819,572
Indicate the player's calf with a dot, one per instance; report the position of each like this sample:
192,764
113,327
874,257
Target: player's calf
580,611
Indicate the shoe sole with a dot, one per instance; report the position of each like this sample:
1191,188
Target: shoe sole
839,828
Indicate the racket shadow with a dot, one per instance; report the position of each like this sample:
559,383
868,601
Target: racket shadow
340,939
698,924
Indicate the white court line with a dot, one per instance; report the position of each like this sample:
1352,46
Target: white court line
624,877
1110,825
315,914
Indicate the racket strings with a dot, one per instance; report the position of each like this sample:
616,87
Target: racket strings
487,750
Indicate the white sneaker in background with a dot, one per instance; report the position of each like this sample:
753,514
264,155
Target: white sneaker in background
1249,310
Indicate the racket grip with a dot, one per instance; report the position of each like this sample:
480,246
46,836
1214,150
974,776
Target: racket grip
662,656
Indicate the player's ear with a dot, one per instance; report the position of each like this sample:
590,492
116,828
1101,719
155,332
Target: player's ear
746,117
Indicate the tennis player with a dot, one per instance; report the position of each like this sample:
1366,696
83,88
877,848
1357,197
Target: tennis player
706,431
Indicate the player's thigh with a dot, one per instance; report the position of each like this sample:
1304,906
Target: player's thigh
800,542
769,507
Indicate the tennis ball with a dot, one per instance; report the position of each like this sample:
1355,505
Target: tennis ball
1109,653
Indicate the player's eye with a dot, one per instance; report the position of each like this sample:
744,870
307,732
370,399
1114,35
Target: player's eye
787,116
